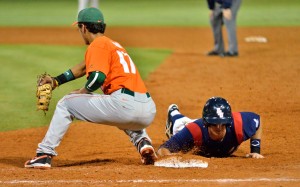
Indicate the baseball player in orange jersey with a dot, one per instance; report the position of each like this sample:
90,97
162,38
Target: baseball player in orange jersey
125,104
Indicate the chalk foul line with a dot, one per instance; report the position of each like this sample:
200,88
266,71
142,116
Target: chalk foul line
42,182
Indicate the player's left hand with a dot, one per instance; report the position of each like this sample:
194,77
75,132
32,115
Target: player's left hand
254,155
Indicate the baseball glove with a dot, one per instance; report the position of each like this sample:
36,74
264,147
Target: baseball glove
45,85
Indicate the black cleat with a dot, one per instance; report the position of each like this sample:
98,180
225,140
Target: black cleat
230,54
148,155
169,123
215,53
41,161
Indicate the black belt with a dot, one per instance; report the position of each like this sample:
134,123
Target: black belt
129,92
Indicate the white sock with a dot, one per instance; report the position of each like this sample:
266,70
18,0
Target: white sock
175,112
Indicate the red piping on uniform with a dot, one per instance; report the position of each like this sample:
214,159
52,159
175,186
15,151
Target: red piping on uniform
238,126
196,132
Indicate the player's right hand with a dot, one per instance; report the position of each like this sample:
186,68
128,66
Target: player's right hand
162,151
254,155
227,13
47,79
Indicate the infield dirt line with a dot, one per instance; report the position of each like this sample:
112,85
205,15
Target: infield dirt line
43,182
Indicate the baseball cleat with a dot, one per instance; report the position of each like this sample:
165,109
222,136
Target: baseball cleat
215,53
231,54
39,162
146,151
169,122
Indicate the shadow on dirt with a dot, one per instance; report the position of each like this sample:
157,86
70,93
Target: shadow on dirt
19,162
94,162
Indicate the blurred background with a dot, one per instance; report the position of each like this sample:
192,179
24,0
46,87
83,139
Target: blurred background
146,12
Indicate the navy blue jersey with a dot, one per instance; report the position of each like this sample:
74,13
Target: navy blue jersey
224,3
195,135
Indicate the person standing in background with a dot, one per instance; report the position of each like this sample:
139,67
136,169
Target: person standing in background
224,12
82,4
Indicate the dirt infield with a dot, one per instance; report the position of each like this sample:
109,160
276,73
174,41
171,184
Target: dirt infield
265,78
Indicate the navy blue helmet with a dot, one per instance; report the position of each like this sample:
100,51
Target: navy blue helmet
217,110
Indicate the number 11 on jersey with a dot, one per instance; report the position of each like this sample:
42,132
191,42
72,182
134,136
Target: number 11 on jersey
122,56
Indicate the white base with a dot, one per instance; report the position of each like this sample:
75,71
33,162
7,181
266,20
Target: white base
178,162
258,39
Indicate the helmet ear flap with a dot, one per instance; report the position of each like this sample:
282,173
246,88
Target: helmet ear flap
205,124
229,124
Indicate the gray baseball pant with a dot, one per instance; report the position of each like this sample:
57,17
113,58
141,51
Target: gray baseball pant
216,24
132,114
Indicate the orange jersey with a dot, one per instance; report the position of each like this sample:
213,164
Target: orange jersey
109,57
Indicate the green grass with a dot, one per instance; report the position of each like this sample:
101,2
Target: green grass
22,63
269,13
147,60
146,12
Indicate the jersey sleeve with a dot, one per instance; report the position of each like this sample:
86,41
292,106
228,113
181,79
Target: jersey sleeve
97,59
186,139
211,4
251,123
182,141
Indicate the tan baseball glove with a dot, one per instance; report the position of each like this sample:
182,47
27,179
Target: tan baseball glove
45,85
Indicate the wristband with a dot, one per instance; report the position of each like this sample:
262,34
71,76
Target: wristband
65,77
255,146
